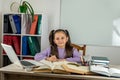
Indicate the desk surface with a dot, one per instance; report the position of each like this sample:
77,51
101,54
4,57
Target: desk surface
13,69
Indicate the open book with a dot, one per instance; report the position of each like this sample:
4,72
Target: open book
76,68
114,72
49,66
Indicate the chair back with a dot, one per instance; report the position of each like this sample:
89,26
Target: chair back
82,48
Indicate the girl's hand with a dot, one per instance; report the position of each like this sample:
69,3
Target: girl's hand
52,58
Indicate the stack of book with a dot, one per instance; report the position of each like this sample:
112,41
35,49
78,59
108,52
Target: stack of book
100,65
99,60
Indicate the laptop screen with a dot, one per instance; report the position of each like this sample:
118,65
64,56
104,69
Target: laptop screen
11,54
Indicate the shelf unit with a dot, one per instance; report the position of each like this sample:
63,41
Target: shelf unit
25,27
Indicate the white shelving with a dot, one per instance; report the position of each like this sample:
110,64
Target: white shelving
25,20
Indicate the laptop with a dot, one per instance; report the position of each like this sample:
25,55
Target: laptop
13,57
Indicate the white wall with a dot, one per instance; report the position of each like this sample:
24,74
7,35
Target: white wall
92,19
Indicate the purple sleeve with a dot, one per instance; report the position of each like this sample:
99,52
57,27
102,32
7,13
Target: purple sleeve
42,55
76,56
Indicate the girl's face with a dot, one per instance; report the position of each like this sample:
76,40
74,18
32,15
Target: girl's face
60,39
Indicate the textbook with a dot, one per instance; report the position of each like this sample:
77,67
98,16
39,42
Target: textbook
100,59
55,67
113,72
76,68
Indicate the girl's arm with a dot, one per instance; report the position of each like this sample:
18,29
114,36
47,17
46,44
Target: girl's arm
42,55
76,56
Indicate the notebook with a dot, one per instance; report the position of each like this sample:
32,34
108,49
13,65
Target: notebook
13,57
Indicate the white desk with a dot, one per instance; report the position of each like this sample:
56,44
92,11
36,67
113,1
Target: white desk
12,72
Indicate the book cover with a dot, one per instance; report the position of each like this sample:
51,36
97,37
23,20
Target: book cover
7,26
39,24
17,21
6,23
25,49
100,59
33,45
34,25
26,23
7,40
16,44
14,30
113,72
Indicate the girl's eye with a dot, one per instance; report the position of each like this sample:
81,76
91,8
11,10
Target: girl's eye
57,38
62,38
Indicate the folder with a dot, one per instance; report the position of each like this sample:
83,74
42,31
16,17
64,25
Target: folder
39,24
7,40
25,50
7,26
26,23
34,25
17,21
14,30
33,45
6,23
16,44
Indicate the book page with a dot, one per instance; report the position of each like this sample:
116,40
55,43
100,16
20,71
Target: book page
52,65
79,68
100,69
58,68
114,72
58,64
47,63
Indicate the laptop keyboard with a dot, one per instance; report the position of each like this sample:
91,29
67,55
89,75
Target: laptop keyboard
26,63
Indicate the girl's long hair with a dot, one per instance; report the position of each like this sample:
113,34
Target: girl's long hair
68,47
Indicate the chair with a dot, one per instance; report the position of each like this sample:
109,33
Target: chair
83,49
